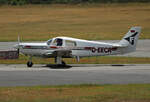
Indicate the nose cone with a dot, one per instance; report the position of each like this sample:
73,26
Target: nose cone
16,46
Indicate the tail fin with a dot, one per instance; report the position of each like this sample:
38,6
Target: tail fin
130,39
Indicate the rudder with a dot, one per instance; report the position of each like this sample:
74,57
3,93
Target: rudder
130,39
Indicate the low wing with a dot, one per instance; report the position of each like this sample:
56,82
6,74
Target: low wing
59,52
64,53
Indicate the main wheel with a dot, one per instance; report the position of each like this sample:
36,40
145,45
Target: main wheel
29,64
63,63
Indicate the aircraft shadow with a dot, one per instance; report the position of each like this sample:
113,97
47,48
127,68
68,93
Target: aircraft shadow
101,65
118,65
56,66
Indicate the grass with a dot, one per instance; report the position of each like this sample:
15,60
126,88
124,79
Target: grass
93,22
90,60
77,93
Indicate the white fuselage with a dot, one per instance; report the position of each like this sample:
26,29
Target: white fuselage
82,48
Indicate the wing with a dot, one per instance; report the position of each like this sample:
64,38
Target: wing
59,52
63,53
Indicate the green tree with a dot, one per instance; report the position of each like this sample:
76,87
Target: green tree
17,2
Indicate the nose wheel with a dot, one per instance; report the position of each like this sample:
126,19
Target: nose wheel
29,64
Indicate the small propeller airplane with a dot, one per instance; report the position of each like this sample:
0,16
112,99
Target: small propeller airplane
66,47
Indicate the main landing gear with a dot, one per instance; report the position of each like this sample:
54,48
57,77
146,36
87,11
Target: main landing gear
30,63
59,61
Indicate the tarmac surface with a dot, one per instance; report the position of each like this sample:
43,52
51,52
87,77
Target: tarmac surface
20,75
143,48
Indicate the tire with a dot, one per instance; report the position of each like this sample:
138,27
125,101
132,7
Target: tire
63,63
29,64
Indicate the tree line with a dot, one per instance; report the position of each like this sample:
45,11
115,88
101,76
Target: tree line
23,2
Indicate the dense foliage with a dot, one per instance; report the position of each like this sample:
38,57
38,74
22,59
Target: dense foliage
22,2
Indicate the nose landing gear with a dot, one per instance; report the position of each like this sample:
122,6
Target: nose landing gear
58,60
30,63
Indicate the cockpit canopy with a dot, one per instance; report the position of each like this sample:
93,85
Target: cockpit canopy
61,42
55,41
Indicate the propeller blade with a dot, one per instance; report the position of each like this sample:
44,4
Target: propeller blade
18,39
18,49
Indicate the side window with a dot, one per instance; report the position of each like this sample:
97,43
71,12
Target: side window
70,43
58,42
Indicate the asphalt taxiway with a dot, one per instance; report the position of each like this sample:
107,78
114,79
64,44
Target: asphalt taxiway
20,75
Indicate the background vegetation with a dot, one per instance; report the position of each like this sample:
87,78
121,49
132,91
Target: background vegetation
22,2
92,22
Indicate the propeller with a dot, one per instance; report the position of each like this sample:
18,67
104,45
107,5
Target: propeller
18,47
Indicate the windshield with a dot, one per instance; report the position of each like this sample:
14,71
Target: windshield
49,42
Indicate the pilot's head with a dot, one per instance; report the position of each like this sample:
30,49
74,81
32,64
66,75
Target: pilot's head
59,42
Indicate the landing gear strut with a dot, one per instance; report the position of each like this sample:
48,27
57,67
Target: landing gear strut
30,63
59,61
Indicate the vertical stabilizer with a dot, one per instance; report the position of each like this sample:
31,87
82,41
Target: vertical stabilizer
130,39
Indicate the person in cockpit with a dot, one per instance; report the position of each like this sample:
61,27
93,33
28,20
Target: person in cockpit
59,42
